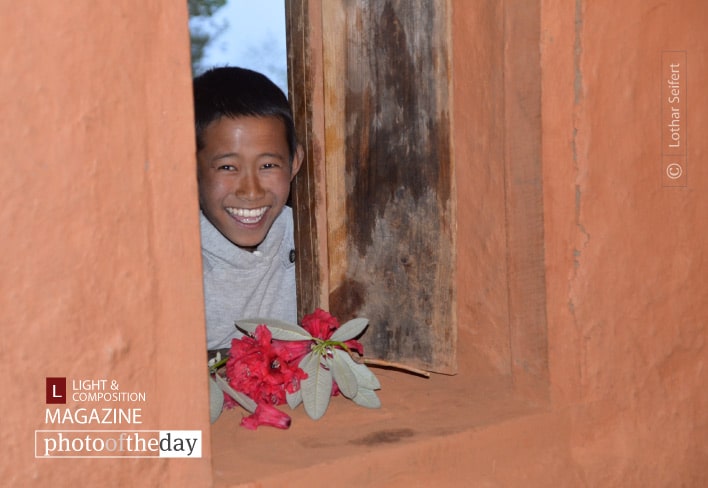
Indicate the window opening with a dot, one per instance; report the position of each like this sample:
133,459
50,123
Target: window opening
240,33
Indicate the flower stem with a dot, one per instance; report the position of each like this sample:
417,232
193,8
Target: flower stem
391,364
216,366
321,346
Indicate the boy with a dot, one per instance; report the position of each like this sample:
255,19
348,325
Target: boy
247,156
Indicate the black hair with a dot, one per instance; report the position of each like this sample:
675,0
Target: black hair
239,92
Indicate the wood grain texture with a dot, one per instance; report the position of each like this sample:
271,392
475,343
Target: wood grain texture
304,35
391,232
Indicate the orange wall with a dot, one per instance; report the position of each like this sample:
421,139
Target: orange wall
626,257
478,123
100,258
625,265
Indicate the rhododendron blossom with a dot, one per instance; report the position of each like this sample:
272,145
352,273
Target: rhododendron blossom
261,371
282,362
322,325
266,415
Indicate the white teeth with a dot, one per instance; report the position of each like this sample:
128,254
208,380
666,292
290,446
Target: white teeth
247,215
246,212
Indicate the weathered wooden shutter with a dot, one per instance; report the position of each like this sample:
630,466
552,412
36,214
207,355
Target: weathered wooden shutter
390,205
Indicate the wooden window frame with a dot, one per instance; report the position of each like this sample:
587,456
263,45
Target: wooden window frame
517,41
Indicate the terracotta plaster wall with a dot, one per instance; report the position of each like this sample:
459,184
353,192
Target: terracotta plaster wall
625,257
478,133
100,267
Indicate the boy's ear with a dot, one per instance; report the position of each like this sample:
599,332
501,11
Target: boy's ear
297,161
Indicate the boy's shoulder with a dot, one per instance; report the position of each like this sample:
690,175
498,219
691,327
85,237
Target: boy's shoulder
287,214
284,235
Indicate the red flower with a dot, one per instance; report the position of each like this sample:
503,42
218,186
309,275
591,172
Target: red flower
322,325
291,350
266,415
262,370
266,370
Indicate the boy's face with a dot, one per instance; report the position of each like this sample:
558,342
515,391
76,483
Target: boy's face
244,174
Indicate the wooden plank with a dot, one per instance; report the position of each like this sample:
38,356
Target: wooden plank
304,35
335,44
394,185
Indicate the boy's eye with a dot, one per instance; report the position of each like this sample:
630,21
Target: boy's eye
227,167
270,165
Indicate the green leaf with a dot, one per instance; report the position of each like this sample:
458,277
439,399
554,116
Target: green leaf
242,399
364,377
367,398
343,375
317,387
216,400
293,399
349,330
279,329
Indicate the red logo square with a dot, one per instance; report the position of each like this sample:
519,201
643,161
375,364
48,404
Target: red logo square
56,390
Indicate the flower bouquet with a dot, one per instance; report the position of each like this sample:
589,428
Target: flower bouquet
279,363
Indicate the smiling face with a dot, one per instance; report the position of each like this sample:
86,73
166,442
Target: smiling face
244,174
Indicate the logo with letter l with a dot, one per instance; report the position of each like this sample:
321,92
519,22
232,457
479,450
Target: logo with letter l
56,390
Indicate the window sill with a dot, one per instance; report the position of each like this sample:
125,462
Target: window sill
420,420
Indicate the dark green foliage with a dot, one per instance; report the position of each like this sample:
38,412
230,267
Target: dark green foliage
204,8
202,28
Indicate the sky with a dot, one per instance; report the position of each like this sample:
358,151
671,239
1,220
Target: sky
254,38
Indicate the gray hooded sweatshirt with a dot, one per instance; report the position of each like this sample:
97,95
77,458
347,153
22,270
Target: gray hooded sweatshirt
239,284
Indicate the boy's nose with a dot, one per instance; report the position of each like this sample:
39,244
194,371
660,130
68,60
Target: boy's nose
250,187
